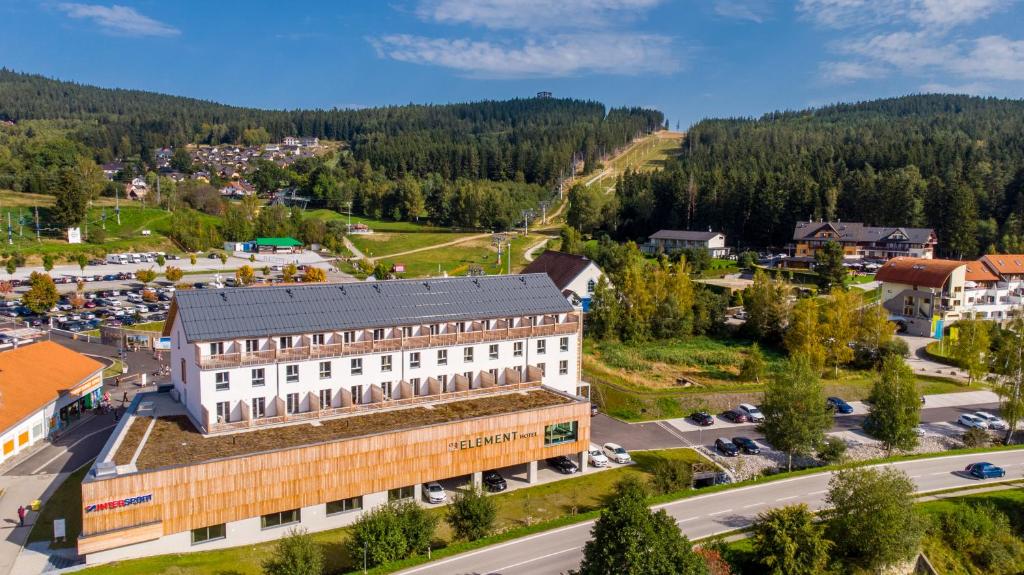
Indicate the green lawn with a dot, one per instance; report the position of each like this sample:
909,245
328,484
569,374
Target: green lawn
382,244
456,260
148,326
65,502
375,225
541,503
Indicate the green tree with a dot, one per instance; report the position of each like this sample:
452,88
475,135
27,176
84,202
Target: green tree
381,271
828,264
839,327
895,407
471,514
72,199
288,273
82,260
47,262
42,293
161,260
747,260
766,304
236,225
571,242
1009,364
173,274
752,368
11,265
295,554
971,347
874,330
391,532
145,276
192,259
788,541
871,516
223,257
804,333
245,275
795,419
630,539
604,318
585,208
181,160
670,475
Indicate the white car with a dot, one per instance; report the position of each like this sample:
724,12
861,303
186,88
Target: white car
992,421
435,493
616,453
920,431
597,458
972,421
752,412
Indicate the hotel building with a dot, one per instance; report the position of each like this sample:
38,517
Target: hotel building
307,404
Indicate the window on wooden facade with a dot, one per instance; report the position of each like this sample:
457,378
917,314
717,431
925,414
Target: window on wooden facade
280,518
344,505
210,533
559,433
401,493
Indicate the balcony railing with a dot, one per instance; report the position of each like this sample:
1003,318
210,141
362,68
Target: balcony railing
303,352
355,409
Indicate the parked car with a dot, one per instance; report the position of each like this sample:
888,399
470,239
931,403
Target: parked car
597,457
747,445
838,405
735,416
494,482
972,421
985,470
434,493
562,464
593,409
616,453
992,421
752,412
920,431
702,418
726,447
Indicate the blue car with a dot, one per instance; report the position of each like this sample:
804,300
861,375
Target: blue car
838,405
985,470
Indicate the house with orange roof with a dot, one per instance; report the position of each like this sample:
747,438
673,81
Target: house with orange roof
43,387
923,295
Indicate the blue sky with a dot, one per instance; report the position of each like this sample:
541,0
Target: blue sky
691,59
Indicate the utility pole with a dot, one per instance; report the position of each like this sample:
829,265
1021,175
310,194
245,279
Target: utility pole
10,235
544,212
158,189
37,224
349,216
117,205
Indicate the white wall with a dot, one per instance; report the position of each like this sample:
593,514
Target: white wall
36,425
579,283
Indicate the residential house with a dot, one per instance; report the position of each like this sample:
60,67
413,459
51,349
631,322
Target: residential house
672,241
859,242
291,141
136,189
576,276
923,295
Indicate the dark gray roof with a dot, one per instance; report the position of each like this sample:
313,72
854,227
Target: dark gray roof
216,314
683,235
858,232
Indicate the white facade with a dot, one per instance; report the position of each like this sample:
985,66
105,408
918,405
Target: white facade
229,381
26,432
583,284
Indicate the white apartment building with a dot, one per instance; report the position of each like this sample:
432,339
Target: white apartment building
252,356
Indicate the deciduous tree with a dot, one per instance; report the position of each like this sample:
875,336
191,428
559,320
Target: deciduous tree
767,306
839,327
314,275
145,276
288,273
752,368
895,406
788,541
471,514
795,419
971,347
828,264
173,274
245,275
1009,363
804,333
42,293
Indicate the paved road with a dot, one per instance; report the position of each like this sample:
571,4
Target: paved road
70,452
920,363
559,550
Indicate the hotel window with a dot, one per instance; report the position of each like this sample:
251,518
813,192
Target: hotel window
442,357
467,354
563,367
325,370
280,518
435,329
494,373
285,341
357,366
325,399
259,377
406,331
259,407
560,433
401,493
517,349
252,345
293,403
542,346
223,380
469,376
318,339
223,411
444,382
349,337
378,334
217,348
386,388
357,394
291,373
385,363
563,344
462,327
343,505
493,351
542,368
211,533
414,360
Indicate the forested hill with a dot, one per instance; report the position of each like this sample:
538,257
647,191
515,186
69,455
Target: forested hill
955,163
530,140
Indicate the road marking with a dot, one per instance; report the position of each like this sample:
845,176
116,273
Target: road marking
787,498
687,519
818,492
938,473
719,512
751,505
521,563
70,447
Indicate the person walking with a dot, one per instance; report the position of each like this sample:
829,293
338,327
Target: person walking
124,399
21,515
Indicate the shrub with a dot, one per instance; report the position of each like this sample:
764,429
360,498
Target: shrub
471,514
975,437
295,554
670,475
97,236
832,450
983,535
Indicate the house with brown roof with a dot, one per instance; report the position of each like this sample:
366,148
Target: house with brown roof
576,276
859,241
43,387
923,295
672,241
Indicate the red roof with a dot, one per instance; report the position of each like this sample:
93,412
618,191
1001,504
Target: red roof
917,271
977,272
561,267
1005,264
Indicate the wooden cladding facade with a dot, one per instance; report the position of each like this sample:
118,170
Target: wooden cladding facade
222,491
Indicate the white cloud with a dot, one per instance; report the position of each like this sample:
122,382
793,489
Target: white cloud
752,10
532,14
993,58
843,72
923,54
561,55
903,50
120,20
940,14
972,88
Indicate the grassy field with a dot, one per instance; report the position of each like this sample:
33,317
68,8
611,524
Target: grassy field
638,382
648,155
385,243
457,259
375,225
515,509
66,502
148,326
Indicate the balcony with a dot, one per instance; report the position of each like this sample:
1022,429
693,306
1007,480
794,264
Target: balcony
304,352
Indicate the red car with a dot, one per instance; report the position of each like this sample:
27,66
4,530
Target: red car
736,416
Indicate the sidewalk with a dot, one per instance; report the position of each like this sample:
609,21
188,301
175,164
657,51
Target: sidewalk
22,490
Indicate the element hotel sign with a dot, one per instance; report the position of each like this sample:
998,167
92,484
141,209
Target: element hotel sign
485,440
